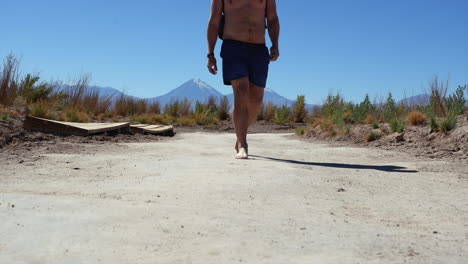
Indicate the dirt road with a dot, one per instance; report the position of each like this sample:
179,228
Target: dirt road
186,200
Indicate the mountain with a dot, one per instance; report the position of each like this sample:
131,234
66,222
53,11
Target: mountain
420,99
193,90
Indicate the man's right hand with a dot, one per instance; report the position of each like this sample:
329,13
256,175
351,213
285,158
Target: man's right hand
212,66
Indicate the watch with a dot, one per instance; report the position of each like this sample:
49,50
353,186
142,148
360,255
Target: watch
210,54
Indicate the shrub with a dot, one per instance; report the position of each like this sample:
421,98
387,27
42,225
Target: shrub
372,136
124,105
142,119
397,125
269,112
370,119
141,106
212,103
39,109
204,114
437,98
32,92
300,131
74,115
416,118
184,107
77,91
448,123
456,102
282,114
186,121
433,124
9,80
4,117
389,109
223,110
375,125
360,112
299,111
155,108
172,109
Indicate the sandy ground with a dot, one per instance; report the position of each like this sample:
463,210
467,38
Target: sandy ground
186,200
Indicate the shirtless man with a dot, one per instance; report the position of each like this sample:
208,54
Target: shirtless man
245,56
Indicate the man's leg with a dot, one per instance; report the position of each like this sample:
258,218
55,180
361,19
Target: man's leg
255,101
241,115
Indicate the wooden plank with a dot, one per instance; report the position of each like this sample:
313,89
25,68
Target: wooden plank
152,129
72,128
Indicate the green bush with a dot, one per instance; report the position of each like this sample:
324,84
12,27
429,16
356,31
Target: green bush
299,111
397,125
372,136
456,102
282,115
375,125
39,109
4,117
360,112
172,108
448,123
389,109
204,114
72,115
300,131
433,124
269,112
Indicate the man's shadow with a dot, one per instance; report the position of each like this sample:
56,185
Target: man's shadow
386,168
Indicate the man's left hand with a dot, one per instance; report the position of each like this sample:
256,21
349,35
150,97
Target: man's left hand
274,53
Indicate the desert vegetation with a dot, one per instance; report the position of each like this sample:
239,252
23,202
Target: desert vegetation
77,102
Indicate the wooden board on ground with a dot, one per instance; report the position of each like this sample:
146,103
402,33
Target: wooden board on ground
72,128
152,129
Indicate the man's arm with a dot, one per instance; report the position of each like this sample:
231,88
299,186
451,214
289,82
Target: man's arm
273,29
212,32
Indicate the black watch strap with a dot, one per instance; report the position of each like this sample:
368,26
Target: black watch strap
210,55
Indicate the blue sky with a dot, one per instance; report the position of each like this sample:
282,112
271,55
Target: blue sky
149,47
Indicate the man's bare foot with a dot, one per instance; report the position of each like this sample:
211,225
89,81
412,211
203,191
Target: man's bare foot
236,147
242,154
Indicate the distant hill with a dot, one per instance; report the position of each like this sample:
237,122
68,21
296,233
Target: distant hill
193,90
420,99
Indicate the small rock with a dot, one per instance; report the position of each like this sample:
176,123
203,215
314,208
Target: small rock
435,232
76,168
341,190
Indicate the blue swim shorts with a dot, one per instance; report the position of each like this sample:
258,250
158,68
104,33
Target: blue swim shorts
241,59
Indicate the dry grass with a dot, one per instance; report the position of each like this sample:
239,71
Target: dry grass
9,80
269,111
223,110
370,119
416,118
299,112
372,136
124,105
155,108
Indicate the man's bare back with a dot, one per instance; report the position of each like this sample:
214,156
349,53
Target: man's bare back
245,20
